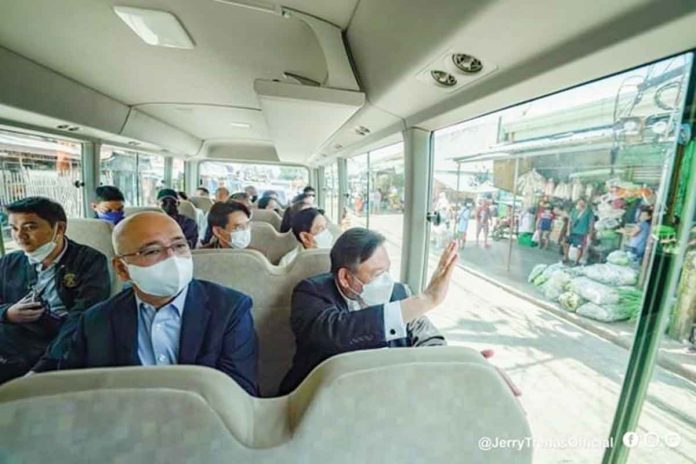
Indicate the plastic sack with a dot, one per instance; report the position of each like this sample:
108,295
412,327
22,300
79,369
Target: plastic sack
555,286
618,257
570,301
607,313
573,253
611,274
536,238
593,291
536,272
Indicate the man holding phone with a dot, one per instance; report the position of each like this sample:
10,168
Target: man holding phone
44,287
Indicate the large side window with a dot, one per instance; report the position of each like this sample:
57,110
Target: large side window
287,181
137,175
331,192
562,200
178,174
31,165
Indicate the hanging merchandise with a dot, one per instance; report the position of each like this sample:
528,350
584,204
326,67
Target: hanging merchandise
549,187
529,185
576,190
589,191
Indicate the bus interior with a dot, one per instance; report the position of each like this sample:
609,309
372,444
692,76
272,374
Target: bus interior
489,123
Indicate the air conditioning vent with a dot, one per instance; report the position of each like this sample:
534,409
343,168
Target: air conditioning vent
443,78
467,63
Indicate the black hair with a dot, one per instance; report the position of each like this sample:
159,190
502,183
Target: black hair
239,196
182,195
263,202
217,216
108,193
207,192
297,205
47,209
302,221
354,247
308,189
269,193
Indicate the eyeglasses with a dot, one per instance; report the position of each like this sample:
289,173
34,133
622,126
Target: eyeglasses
155,253
240,227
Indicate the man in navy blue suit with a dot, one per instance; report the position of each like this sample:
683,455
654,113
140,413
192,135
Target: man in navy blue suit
165,317
358,306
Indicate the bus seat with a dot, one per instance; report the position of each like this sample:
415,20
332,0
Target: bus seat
130,210
95,233
187,209
390,405
271,243
267,216
202,203
270,288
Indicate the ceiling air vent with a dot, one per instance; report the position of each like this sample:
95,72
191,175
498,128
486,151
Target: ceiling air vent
467,63
362,131
443,78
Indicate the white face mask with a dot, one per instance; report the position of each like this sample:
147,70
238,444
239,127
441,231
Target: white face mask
378,291
324,239
166,278
240,238
42,252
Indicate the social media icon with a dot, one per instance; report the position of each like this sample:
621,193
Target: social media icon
631,439
672,439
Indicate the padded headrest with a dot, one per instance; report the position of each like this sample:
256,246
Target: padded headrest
271,243
267,216
392,405
187,209
270,288
95,233
130,210
202,203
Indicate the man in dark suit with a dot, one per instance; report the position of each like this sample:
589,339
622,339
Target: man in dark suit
358,306
166,317
44,287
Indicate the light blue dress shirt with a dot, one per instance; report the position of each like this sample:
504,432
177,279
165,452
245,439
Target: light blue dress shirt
46,283
159,331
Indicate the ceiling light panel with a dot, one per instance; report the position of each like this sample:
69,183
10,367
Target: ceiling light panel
155,27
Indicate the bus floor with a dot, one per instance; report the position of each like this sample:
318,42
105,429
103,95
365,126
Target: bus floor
570,378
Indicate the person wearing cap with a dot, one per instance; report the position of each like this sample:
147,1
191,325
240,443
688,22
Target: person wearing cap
169,201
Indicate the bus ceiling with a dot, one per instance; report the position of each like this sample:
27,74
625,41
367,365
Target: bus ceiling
305,81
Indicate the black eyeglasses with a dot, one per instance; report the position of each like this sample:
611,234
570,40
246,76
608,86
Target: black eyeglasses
155,253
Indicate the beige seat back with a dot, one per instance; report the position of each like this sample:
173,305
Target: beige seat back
202,203
187,209
268,216
95,233
130,210
270,288
271,243
378,406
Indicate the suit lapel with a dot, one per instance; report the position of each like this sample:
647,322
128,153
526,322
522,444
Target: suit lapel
194,323
125,325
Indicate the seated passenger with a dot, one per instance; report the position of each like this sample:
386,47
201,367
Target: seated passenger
241,197
166,317
269,203
228,225
169,202
309,227
252,193
358,306
109,204
44,287
222,194
310,194
299,203
202,192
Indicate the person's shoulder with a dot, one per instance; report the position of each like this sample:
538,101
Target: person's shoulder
102,311
219,292
12,258
318,283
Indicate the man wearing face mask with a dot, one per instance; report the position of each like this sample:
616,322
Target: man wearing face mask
252,193
309,227
44,287
358,306
169,202
108,204
166,317
228,224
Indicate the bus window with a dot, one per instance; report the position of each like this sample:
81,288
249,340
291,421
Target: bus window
356,201
31,165
386,199
287,181
558,200
331,192
137,175
178,168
